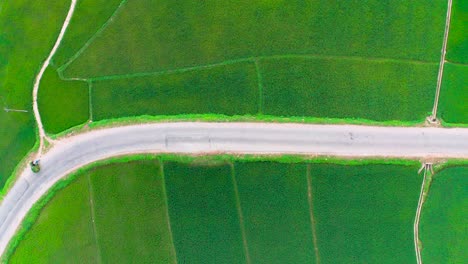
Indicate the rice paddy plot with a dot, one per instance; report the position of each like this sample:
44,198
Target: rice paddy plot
348,88
130,210
202,210
63,232
458,41
62,104
444,223
147,37
453,106
225,89
365,214
274,202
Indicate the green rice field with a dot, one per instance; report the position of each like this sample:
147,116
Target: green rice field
444,223
453,106
23,46
167,210
333,60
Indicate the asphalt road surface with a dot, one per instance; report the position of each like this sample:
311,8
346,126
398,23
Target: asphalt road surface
74,152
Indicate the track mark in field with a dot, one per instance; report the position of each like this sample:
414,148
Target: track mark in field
93,37
260,86
311,213
163,186
93,218
247,59
433,117
241,216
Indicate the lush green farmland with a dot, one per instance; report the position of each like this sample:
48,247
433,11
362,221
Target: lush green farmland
228,89
273,198
62,104
63,230
195,58
203,213
365,214
145,36
218,212
458,41
444,218
347,88
103,196
453,106
24,44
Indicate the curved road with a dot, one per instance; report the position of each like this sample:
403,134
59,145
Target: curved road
71,153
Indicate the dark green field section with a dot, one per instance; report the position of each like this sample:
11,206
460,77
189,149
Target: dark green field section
273,198
457,47
227,89
206,211
453,102
145,36
63,104
348,88
365,214
203,212
444,223
23,46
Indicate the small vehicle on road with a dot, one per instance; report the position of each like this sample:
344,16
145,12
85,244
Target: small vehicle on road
35,167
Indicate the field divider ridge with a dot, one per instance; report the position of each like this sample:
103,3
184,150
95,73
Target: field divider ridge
93,217
311,213
241,215
90,40
163,185
260,85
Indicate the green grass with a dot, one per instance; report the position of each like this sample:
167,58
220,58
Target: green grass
457,50
146,37
444,223
63,230
131,213
63,104
365,214
28,30
341,88
228,89
202,209
453,107
273,198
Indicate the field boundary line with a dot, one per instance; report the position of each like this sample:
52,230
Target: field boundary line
250,59
456,63
241,215
422,195
163,184
90,101
42,135
311,213
260,86
93,217
93,37
440,74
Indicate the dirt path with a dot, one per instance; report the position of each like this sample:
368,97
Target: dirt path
433,117
37,81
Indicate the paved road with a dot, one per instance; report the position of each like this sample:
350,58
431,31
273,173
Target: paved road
74,152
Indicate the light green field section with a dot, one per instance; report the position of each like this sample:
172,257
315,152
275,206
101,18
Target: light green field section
227,89
63,231
145,36
457,49
365,214
204,217
453,102
131,213
63,104
27,32
348,88
444,223
273,198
